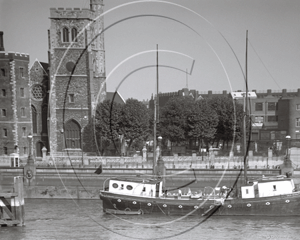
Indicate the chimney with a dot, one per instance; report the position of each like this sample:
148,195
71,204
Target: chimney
1,42
284,94
269,91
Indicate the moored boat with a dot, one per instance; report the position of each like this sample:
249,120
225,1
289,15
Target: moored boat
276,196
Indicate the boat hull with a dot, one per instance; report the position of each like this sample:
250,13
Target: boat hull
283,205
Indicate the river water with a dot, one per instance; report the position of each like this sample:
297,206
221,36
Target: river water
84,219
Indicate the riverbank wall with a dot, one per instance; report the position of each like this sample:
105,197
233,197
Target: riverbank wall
84,183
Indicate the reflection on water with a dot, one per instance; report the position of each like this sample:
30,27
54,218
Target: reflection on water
84,219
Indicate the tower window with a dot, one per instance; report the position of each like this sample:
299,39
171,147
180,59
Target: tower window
3,72
65,35
23,112
74,34
24,132
21,72
3,112
5,150
22,92
4,132
25,150
3,93
71,98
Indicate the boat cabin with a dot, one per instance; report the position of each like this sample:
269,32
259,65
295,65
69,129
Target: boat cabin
268,187
136,187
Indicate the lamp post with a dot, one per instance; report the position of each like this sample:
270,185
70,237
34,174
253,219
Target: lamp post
30,160
288,138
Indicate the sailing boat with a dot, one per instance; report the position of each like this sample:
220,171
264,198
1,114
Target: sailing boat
274,196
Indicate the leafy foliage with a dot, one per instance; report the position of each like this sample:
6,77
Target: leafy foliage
134,122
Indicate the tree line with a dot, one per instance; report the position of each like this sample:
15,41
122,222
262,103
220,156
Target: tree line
209,121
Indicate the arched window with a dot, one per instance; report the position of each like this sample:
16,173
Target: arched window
44,119
39,147
74,34
72,135
34,119
65,35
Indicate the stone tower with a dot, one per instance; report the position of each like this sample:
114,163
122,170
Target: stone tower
77,73
15,102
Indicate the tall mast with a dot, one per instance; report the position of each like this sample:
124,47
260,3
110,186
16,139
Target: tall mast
246,112
156,112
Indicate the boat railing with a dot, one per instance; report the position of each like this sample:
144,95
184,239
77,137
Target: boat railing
104,183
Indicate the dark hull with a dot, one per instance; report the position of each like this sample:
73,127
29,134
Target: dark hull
283,205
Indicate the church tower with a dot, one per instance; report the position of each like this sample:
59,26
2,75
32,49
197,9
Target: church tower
77,73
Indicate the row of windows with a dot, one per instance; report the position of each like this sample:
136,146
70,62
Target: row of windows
260,119
5,150
5,132
66,35
4,93
271,106
4,112
21,72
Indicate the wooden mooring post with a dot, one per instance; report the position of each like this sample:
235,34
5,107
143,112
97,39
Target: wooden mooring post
12,205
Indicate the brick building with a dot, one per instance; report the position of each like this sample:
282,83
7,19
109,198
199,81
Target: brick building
15,101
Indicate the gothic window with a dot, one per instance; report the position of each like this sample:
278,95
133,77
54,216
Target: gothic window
34,119
5,150
25,150
65,35
74,34
44,118
3,72
39,147
37,92
72,135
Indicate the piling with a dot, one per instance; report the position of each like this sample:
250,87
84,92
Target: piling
12,205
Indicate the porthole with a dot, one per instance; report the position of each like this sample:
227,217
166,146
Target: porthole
248,205
229,206
196,207
287,201
165,205
115,185
180,206
129,187
267,203
149,204
134,202
119,200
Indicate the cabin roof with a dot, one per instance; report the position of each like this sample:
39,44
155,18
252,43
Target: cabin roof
273,180
137,180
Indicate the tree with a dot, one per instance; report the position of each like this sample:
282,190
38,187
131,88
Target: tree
134,122
107,124
202,121
173,119
229,118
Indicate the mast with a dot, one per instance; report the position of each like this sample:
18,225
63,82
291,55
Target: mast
246,112
156,112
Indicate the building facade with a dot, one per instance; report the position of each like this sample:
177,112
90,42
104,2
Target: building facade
77,73
15,101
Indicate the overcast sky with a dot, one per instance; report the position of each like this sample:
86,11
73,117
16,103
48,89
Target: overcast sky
185,30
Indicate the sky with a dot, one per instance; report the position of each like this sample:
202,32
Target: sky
201,43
